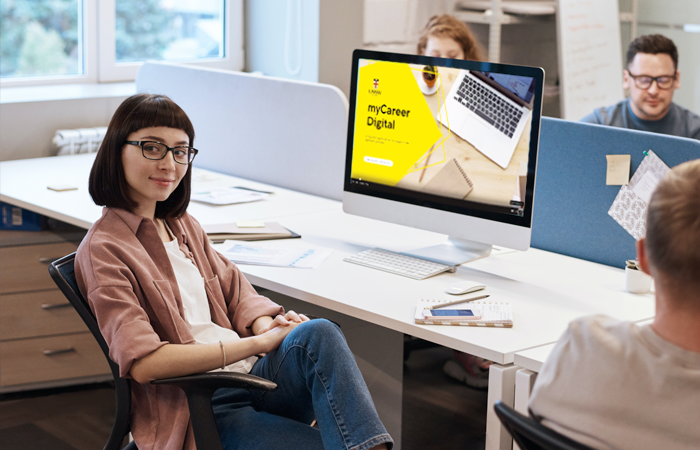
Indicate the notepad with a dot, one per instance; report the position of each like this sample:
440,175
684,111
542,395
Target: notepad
493,314
450,181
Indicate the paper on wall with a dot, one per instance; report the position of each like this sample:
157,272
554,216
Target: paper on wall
630,206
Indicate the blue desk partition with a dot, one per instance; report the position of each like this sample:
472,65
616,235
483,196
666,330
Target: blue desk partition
571,198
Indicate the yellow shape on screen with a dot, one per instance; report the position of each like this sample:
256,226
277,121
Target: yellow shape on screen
393,123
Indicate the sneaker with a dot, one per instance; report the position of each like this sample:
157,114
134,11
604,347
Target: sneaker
468,369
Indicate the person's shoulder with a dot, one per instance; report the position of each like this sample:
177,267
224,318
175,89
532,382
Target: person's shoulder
108,238
599,330
690,119
598,337
606,115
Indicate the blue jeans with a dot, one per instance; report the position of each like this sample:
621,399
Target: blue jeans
317,378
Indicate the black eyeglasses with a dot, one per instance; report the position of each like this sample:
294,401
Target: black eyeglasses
155,151
644,81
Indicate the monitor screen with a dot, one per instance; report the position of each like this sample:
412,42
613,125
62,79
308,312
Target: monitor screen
450,135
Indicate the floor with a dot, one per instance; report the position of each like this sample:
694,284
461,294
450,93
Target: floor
437,412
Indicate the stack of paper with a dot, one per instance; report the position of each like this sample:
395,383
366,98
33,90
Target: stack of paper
270,230
265,255
493,314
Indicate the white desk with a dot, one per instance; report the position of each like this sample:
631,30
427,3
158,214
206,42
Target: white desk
23,183
546,290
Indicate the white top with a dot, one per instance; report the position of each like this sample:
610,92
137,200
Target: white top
196,306
615,385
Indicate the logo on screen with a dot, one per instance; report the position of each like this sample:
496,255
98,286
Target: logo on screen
374,90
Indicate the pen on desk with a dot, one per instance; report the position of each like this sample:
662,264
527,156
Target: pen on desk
457,302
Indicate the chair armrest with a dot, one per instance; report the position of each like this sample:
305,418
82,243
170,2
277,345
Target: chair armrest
218,380
199,389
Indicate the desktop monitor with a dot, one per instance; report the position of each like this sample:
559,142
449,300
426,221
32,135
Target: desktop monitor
444,145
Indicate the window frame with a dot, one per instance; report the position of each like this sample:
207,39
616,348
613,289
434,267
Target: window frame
98,37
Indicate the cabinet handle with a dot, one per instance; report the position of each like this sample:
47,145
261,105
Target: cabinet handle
58,352
45,260
55,305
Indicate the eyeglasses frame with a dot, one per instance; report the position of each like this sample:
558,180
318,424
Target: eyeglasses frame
168,149
654,80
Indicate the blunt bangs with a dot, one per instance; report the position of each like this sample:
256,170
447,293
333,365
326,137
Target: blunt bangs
107,185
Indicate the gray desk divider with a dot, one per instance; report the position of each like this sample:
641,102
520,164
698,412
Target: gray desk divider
571,198
282,132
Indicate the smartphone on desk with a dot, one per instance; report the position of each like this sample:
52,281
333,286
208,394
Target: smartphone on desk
450,314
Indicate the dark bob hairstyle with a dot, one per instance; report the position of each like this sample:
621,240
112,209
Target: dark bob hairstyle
108,186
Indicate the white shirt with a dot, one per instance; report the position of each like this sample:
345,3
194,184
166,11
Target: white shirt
196,306
616,385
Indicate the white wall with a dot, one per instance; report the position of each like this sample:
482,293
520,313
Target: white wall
667,17
26,128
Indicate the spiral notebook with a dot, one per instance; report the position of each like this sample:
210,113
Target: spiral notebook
450,181
493,314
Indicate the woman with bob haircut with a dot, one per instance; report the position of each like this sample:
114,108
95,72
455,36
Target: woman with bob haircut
169,305
447,37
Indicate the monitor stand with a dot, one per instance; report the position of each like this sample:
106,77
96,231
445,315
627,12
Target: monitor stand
453,252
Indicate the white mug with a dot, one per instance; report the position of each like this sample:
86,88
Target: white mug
636,281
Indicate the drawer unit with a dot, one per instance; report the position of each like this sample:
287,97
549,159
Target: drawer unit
50,358
26,267
39,313
43,340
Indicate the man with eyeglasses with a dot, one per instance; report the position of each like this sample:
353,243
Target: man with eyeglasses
651,77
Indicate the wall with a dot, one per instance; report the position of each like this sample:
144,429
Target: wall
26,128
668,18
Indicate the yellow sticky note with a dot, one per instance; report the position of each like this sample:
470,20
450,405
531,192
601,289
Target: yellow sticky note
250,224
618,170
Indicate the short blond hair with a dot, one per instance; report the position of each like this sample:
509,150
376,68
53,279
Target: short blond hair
673,225
448,26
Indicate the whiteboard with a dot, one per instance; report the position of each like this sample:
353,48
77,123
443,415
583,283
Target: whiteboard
590,56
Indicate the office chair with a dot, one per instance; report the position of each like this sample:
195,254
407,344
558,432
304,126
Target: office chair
198,388
532,435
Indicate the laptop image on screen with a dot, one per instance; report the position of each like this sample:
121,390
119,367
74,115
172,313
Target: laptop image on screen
490,111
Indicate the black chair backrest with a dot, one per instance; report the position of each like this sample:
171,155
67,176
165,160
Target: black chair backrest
532,435
63,273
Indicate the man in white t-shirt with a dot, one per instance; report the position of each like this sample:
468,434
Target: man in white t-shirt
616,385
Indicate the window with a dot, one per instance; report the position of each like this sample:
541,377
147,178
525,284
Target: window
41,38
57,41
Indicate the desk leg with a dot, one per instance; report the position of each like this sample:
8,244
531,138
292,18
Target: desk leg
524,381
379,355
501,387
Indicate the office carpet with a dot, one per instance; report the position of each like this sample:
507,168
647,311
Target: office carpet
29,435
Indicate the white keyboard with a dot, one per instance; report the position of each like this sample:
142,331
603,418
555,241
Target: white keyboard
408,266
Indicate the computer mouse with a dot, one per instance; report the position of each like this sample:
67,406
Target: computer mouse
464,287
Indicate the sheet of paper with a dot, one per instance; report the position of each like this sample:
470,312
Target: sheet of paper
629,208
646,186
650,163
227,196
618,170
250,224
265,255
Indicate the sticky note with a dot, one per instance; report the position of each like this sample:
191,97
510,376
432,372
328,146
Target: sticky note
618,170
61,187
250,224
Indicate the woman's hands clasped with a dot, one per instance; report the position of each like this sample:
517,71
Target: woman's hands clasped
274,333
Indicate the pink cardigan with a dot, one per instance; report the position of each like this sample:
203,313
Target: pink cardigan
124,272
